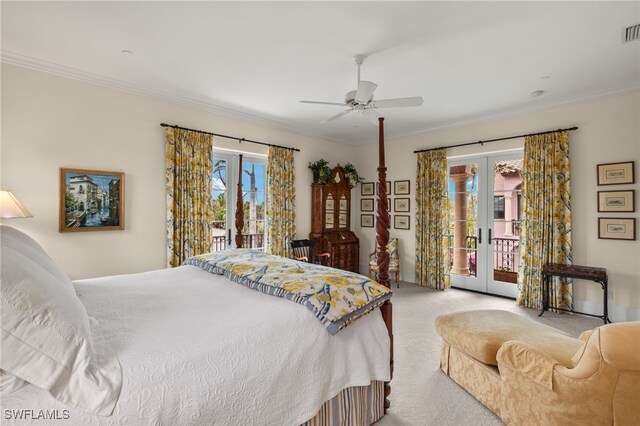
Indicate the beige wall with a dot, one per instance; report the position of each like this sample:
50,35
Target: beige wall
609,131
50,122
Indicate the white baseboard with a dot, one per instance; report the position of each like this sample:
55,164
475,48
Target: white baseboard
617,313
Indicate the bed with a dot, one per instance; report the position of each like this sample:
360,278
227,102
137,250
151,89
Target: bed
180,346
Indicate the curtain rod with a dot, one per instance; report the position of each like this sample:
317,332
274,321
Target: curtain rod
173,126
497,139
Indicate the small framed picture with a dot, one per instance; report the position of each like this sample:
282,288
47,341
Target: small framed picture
329,205
366,220
388,188
401,221
616,201
366,204
342,220
616,173
401,205
401,187
91,200
366,189
617,228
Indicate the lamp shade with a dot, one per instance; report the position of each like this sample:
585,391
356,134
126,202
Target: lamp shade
10,206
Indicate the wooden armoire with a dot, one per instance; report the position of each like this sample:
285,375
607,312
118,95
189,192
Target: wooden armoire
331,222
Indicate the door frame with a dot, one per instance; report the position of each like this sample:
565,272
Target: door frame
233,162
484,281
500,288
474,283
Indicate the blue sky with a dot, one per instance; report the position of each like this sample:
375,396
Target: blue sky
470,187
100,180
246,181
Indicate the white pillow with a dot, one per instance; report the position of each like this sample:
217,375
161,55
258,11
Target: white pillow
46,339
26,245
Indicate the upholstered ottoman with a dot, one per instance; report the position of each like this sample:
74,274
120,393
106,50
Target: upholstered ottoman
471,340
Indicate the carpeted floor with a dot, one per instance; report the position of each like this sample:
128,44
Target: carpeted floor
421,394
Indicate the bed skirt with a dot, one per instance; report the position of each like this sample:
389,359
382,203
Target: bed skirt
357,406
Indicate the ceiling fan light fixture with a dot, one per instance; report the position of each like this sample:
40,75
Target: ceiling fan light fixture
361,100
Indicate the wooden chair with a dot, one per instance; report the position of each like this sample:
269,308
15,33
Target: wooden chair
394,261
304,250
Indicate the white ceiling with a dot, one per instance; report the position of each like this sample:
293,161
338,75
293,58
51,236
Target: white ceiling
470,61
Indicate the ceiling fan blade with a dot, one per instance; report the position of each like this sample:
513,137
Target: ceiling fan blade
322,103
371,115
335,117
398,102
365,91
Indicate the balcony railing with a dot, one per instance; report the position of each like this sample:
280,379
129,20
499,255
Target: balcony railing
252,241
506,254
472,251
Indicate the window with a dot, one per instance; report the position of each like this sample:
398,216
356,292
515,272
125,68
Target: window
253,194
498,207
224,196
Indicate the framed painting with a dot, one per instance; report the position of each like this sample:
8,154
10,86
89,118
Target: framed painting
91,200
366,204
617,228
616,201
616,173
401,221
401,187
401,205
366,220
366,189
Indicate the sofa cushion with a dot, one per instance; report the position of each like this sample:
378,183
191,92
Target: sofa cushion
481,333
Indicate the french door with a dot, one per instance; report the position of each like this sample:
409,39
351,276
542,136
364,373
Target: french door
224,195
484,214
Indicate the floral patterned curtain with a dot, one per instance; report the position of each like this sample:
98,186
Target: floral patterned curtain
281,201
432,220
546,219
189,170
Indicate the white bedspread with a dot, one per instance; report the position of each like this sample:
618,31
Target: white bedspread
198,349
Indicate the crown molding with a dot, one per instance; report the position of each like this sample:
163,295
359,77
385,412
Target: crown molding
200,104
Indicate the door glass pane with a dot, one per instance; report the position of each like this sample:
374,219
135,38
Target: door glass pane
219,196
329,211
463,218
342,217
253,197
507,184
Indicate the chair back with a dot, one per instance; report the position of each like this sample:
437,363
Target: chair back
303,249
620,345
394,258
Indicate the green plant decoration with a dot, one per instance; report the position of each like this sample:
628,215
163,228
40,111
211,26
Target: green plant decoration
321,171
352,175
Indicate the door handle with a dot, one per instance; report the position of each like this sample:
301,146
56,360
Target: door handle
489,242
479,235
229,236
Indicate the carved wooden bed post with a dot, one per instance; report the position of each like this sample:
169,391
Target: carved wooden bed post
239,209
382,258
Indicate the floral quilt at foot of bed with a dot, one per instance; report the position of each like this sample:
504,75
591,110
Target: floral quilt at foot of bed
336,297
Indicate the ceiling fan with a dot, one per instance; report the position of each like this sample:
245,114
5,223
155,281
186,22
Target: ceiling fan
362,101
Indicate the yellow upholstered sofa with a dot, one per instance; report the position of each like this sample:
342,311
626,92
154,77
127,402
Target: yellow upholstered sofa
529,373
